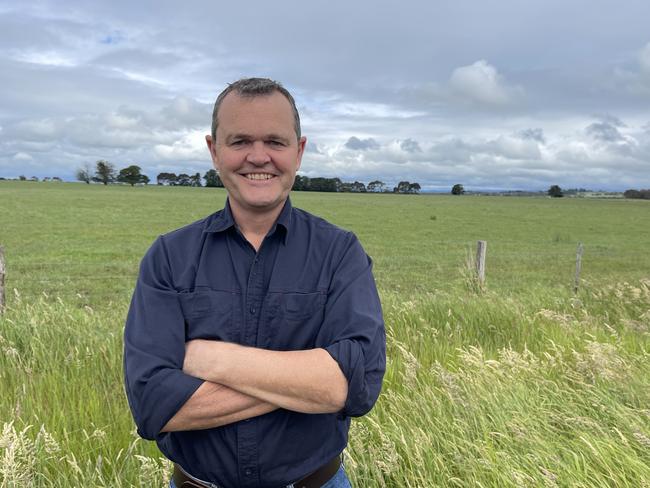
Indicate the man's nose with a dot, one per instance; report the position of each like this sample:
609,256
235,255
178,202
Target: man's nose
258,153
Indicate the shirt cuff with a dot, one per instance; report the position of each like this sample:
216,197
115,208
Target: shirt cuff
163,396
350,358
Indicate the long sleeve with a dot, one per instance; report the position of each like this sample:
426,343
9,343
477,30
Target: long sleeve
154,347
353,329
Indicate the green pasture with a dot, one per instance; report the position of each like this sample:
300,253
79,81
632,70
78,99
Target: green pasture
85,241
520,384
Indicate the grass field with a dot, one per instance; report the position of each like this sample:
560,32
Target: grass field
521,384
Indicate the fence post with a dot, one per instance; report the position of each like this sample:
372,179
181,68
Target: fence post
480,262
2,279
576,282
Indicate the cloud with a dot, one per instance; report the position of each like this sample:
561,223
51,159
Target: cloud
357,144
410,145
534,134
424,100
481,83
604,131
635,79
190,147
312,147
644,58
21,156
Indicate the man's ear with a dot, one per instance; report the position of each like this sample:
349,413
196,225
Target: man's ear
211,148
301,150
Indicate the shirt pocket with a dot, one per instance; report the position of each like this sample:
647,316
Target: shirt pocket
208,314
296,321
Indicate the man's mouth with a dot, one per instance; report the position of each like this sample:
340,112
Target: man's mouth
259,176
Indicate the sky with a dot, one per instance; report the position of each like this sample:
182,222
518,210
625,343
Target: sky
495,95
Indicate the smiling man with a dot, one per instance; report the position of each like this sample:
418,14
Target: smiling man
255,334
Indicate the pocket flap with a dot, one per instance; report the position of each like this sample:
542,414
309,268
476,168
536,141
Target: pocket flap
301,305
205,301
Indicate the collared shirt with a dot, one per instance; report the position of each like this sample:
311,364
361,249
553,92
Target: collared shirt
310,285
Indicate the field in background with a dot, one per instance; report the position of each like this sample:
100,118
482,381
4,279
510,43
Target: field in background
523,384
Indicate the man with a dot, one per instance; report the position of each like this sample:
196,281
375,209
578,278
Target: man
256,333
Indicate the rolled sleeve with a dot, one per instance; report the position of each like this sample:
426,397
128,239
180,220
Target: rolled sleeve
154,347
354,329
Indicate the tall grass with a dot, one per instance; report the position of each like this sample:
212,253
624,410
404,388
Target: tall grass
481,390
518,383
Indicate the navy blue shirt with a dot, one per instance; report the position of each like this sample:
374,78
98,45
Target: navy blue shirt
310,285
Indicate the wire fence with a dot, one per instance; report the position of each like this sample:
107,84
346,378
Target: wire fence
439,266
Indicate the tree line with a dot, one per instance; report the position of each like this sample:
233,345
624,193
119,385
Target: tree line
641,194
305,183
106,173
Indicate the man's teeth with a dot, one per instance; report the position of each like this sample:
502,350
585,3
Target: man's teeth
259,176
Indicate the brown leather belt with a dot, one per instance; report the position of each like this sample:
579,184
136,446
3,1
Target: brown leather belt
315,480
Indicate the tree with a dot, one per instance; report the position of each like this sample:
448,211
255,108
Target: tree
402,187
132,175
166,179
325,184
358,187
407,187
414,188
555,191
184,179
195,180
457,189
301,183
84,174
22,178
376,186
212,179
642,194
104,172
345,187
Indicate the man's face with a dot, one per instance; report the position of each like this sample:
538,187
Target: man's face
256,151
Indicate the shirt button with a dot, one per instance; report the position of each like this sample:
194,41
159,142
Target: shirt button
252,310
248,471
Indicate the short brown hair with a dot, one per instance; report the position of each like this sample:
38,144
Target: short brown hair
254,87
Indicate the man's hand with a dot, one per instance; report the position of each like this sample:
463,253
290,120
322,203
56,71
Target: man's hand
309,381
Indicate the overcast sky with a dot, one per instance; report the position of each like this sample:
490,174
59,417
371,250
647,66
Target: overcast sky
505,94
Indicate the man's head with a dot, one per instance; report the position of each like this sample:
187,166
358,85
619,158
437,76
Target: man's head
256,145
250,88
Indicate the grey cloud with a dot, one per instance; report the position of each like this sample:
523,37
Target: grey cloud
357,144
471,103
534,134
604,131
312,147
410,146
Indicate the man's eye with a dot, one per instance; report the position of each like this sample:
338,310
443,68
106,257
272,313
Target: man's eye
276,143
238,142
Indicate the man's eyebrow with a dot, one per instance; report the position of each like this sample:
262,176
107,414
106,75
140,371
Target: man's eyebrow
233,137
248,137
277,137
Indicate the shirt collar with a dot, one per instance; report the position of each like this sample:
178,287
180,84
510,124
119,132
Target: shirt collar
224,220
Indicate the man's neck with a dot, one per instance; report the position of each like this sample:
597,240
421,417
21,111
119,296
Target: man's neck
253,225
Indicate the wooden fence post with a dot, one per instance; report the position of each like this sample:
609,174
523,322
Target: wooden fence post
576,282
480,262
2,279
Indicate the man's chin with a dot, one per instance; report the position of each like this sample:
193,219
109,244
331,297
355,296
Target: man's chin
266,205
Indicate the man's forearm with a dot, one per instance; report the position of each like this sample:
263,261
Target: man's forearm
307,381
213,405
